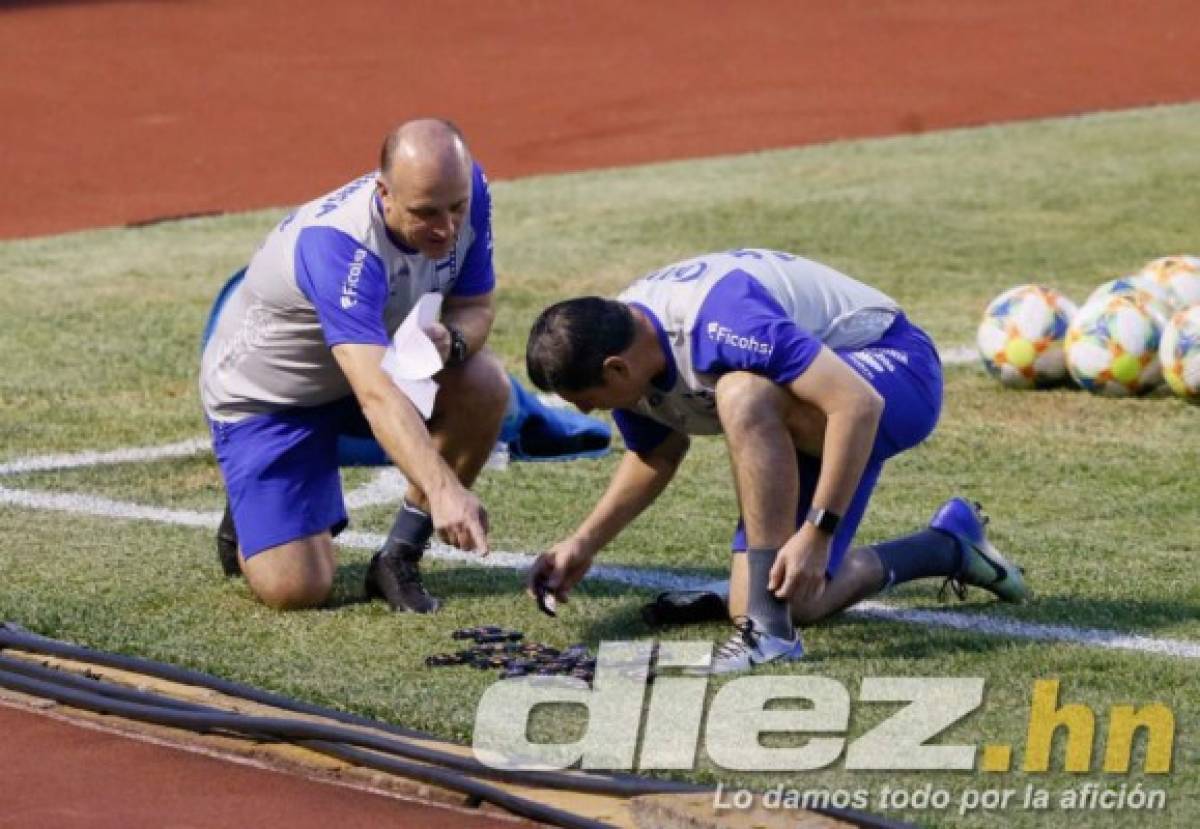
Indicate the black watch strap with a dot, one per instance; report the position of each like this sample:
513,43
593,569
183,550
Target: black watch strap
823,519
458,348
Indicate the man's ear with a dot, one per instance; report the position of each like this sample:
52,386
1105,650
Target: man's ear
381,186
615,367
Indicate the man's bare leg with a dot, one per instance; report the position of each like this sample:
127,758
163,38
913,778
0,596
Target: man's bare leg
765,440
860,576
471,403
295,575
762,454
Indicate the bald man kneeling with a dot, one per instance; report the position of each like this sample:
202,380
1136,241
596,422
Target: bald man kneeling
295,359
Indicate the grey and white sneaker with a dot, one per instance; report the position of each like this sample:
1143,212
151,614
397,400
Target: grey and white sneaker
749,647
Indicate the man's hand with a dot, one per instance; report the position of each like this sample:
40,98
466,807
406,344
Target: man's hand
439,335
460,519
559,569
799,570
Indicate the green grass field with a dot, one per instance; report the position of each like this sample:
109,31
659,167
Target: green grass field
1097,498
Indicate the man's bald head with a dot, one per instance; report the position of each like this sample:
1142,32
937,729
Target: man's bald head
432,144
424,184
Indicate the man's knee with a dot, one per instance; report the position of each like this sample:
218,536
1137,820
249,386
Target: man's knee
294,594
862,569
481,383
294,576
747,402
745,399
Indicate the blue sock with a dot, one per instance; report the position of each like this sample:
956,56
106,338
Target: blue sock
923,554
412,529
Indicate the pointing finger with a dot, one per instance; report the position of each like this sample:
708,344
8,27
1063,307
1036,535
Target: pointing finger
477,536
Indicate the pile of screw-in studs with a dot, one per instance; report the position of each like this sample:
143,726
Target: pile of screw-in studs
506,651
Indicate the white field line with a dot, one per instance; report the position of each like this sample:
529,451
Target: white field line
959,355
385,488
389,484
43,463
80,504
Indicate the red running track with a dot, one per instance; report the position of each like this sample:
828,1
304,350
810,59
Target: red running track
63,776
117,112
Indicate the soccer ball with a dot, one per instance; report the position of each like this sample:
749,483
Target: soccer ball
1112,347
1141,289
1021,337
1179,352
1179,276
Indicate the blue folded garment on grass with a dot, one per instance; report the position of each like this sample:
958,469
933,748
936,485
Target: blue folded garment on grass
535,431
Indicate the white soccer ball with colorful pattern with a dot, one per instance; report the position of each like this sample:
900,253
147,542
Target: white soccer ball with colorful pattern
1021,337
1141,289
1179,353
1112,347
1179,276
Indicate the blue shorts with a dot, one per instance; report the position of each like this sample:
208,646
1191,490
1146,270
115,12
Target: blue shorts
904,367
281,472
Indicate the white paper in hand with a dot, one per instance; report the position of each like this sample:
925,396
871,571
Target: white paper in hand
412,358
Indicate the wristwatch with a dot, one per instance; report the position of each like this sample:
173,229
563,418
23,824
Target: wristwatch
458,348
823,519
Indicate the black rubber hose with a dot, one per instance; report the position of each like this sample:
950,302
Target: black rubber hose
111,690
280,729
210,719
367,759
201,718
510,802
238,723
14,636
862,820
93,685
